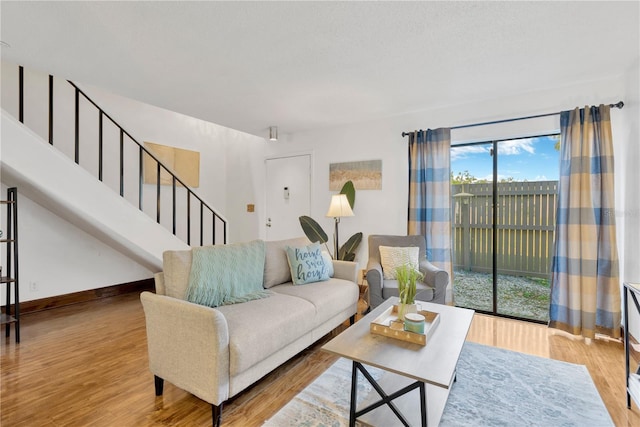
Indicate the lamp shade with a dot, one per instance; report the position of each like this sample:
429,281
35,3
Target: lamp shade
339,206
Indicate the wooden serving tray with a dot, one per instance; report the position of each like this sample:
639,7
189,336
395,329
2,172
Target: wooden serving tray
389,325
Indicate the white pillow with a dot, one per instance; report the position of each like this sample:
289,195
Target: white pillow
392,257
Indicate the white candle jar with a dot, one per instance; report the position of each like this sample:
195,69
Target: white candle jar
414,322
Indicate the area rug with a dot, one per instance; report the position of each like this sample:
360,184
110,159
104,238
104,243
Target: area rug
494,387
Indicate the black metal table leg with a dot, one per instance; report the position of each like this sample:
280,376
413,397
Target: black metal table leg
354,394
385,398
423,405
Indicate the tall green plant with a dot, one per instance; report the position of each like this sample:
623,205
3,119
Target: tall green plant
315,233
407,277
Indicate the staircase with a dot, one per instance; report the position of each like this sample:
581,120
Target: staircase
106,198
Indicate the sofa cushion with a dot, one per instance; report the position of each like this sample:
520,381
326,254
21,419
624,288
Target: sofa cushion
307,264
227,274
328,298
262,327
176,266
276,266
392,257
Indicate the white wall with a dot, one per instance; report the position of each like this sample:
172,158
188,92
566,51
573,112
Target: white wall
245,178
232,168
45,175
385,211
627,195
59,258
231,165
218,172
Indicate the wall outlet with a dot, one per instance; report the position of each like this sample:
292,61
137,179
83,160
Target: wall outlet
33,286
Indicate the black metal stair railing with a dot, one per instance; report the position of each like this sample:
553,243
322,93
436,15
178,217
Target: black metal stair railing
216,219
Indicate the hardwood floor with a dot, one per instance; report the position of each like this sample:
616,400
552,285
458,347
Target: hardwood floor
86,365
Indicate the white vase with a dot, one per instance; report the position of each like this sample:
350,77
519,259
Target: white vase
406,308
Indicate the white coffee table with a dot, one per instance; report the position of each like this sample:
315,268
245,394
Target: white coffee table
415,375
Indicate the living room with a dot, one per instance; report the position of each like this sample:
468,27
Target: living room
235,159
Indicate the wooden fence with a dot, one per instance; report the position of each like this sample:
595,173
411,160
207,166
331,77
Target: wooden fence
525,226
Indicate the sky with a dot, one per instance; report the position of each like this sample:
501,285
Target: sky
526,159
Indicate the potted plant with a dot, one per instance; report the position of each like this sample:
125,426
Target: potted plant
315,233
407,277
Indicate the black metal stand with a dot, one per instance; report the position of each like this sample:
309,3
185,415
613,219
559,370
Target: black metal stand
335,250
627,289
387,399
10,275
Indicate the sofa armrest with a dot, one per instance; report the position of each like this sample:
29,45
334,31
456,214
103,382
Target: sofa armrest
375,281
435,277
347,270
188,346
159,282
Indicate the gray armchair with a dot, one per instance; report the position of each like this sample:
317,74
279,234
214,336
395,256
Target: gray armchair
435,281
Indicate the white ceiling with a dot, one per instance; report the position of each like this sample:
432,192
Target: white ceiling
308,65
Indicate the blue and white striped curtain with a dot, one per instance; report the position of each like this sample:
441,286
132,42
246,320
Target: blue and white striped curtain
430,195
585,287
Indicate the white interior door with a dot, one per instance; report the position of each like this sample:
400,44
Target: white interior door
288,190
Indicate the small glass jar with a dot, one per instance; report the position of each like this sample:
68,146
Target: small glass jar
414,322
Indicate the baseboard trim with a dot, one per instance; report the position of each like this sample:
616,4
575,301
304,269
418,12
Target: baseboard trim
84,296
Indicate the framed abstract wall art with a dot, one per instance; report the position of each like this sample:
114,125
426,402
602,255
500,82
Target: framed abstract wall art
365,174
184,163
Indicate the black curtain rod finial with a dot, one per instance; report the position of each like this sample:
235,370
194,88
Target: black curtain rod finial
618,104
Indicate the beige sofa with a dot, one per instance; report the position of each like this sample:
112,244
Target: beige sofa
215,353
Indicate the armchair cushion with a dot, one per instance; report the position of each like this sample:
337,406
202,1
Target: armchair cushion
431,289
392,257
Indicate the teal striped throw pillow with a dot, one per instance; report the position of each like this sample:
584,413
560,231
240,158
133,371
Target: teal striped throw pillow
227,274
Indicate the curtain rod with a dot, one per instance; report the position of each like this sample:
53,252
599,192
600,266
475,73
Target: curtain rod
618,104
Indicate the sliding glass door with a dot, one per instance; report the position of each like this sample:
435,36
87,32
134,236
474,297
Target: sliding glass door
472,192
504,195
